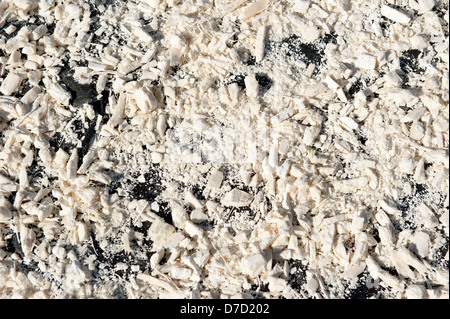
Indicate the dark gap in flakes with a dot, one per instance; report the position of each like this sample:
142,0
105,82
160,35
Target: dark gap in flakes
86,142
246,57
13,245
366,288
409,62
57,142
198,190
355,88
99,104
362,138
235,78
265,83
297,275
293,47
81,93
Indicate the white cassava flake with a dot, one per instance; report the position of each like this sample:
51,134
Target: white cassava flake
254,8
310,135
237,198
254,264
252,86
426,5
59,93
215,179
394,14
260,43
365,61
145,100
10,84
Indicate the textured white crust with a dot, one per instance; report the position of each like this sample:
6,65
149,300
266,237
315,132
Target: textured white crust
200,149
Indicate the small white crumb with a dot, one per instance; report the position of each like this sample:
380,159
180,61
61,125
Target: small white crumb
160,231
72,164
5,214
193,230
215,179
254,264
310,135
59,93
416,292
60,158
260,43
426,5
254,8
179,215
236,198
301,6
145,99
421,244
192,200
197,216
251,86
365,61
414,115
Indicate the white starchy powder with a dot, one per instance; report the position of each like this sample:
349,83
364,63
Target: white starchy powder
224,149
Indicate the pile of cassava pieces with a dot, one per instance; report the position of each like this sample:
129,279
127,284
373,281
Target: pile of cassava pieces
224,149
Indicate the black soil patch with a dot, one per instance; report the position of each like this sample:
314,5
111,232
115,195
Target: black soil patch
265,83
235,78
81,93
111,259
293,47
99,104
409,62
246,57
297,276
365,288
150,189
